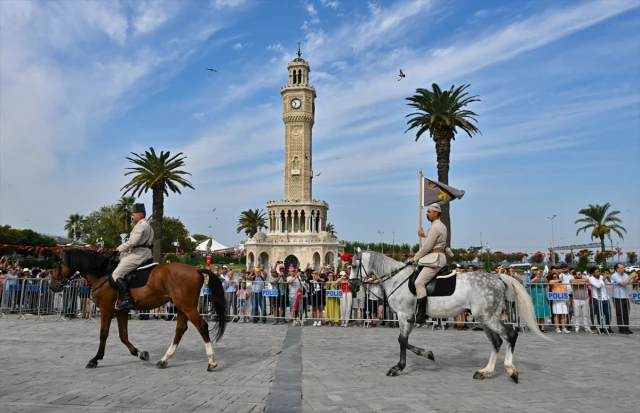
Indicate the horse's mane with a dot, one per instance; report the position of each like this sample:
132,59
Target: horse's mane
86,261
382,263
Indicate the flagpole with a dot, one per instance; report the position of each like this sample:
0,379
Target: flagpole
420,199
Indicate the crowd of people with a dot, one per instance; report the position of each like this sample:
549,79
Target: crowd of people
582,302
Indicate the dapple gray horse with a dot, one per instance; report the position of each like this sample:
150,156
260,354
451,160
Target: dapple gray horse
481,293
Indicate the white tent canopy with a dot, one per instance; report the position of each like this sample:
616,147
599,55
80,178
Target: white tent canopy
215,246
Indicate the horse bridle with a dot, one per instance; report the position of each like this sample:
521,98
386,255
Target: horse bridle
381,279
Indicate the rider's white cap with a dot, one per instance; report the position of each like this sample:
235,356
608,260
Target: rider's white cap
434,207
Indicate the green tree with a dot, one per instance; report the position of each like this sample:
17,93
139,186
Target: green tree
162,174
330,229
123,207
174,230
583,259
25,237
106,223
200,237
251,221
442,114
632,257
74,226
600,222
536,258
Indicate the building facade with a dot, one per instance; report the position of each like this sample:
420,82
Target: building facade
297,223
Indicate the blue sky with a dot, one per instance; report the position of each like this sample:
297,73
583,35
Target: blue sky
83,84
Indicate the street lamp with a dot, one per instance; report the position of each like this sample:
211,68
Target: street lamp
553,252
381,247
618,249
176,244
100,243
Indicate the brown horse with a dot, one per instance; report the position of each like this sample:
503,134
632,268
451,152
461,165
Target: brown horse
177,282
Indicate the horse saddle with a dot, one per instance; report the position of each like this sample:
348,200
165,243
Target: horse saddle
138,277
442,285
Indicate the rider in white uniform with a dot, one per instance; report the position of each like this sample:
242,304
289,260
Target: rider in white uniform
433,248
139,247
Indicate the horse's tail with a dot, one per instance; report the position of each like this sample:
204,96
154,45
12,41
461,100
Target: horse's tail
218,303
525,305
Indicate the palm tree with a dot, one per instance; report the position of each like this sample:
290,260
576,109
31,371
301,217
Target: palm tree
123,209
600,222
73,225
251,221
442,114
161,174
330,229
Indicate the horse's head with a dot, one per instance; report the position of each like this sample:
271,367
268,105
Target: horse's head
358,272
60,273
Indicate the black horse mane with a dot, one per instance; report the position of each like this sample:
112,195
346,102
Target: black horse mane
86,261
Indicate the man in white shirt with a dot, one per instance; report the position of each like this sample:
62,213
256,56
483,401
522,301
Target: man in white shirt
294,285
600,300
620,281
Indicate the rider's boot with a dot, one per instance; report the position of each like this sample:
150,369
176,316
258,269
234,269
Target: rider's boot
421,316
126,302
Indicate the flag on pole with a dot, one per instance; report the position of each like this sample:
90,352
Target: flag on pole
438,193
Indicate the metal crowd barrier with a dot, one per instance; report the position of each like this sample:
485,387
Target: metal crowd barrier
326,304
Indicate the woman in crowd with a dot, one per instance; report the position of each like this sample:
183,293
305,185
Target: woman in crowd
345,300
333,303
374,300
539,296
316,298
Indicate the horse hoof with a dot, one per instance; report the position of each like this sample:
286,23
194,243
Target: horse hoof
514,376
161,364
478,375
212,367
144,356
92,364
393,372
430,356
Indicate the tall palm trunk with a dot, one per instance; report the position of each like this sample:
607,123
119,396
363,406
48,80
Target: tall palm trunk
158,213
443,139
603,247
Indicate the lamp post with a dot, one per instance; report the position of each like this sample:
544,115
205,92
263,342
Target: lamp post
553,252
100,243
381,247
393,242
176,244
618,250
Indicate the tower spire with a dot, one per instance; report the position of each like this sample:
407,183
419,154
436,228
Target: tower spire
299,53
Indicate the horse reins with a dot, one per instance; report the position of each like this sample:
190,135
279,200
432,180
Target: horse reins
382,278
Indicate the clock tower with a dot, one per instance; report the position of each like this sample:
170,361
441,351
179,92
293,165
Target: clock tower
297,225
298,111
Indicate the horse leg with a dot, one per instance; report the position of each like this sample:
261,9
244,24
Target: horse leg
203,329
510,336
496,342
181,327
403,339
421,352
105,324
123,321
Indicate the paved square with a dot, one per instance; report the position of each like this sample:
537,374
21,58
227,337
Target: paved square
343,370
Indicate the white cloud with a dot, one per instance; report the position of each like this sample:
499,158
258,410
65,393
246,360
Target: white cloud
308,23
237,46
230,4
151,15
309,8
275,48
329,3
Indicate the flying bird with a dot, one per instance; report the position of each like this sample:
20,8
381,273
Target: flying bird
212,70
318,174
401,75
214,209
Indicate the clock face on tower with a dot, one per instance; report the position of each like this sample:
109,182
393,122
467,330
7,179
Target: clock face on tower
295,103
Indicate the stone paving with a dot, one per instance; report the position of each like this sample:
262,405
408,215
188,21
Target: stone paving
343,370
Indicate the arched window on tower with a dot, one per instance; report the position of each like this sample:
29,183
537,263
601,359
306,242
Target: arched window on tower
294,77
299,76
